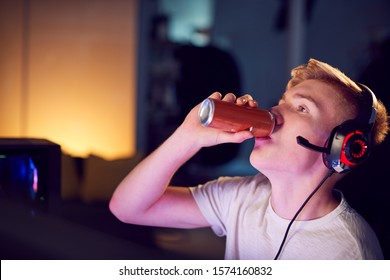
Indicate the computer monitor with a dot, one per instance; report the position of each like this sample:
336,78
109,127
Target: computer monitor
30,172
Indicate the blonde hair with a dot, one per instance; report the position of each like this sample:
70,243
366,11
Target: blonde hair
348,89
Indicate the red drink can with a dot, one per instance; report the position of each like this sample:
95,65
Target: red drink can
231,117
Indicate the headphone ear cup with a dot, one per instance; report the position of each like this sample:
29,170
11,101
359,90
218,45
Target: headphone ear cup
332,156
356,149
348,147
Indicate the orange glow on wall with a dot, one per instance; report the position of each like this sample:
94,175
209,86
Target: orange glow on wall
10,67
75,81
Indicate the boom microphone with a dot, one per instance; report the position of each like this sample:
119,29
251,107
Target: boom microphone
305,143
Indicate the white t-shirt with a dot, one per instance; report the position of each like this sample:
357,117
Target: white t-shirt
240,208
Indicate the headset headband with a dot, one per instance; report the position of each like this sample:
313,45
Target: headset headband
367,114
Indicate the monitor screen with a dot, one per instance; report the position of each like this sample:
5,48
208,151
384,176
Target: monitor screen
30,171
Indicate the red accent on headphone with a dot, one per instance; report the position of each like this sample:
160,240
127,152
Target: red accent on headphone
353,150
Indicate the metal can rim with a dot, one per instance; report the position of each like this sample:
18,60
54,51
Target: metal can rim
206,112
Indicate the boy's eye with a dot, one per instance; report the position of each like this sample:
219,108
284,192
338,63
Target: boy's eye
302,109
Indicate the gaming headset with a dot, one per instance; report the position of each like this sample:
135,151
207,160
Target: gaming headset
349,143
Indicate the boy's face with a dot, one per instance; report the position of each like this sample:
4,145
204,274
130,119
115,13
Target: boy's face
310,109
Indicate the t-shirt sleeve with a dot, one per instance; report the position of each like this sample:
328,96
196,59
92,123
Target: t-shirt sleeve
208,198
219,200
